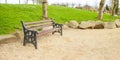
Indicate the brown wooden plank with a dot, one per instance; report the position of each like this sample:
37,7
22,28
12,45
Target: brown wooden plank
42,21
39,25
42,28
45,20
46,31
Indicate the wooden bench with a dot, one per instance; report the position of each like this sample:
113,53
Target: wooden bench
32,30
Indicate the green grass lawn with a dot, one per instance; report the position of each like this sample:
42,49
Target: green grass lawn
11,15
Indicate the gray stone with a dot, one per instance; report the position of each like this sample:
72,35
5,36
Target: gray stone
117,22
109,25
73,24
19,35
99,25
4,39
87,24
65,27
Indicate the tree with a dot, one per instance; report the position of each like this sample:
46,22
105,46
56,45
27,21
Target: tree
107,8
27,1
44,9
33,1
101,8
96,7
38,1
67,4
6,1
115,7
73,5
79,5
19,1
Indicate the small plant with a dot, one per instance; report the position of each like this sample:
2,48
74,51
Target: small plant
39,29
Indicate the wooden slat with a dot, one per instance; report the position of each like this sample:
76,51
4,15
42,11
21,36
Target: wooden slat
42,21
45,20
39,25
43,28
46,31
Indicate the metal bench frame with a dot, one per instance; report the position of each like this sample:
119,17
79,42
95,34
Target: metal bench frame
30,36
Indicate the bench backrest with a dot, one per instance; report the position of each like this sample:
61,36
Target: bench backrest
37,25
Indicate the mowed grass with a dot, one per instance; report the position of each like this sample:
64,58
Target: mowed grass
11,15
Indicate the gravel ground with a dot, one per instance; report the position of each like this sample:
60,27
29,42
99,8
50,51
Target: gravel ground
75,44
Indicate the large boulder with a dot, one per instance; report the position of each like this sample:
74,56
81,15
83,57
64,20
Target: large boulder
4,39
87,24
65,27
109,25
73,24
19,35
99,25
117,22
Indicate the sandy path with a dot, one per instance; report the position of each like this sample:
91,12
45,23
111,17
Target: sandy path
75,44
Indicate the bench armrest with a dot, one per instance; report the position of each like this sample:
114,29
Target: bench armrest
57,25
30,32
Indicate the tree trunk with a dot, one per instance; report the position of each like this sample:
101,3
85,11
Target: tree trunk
33,1
19,1
27,1
44,9
6,1
37,2
115,7
100,14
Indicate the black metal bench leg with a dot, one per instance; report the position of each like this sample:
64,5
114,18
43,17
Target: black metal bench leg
61,33
24,42
35,45
35,42
53,32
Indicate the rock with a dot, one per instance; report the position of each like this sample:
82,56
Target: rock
99,25
117,22
73,24
65,27
4,39
19,35
109,25
83,25
87,24
7,37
